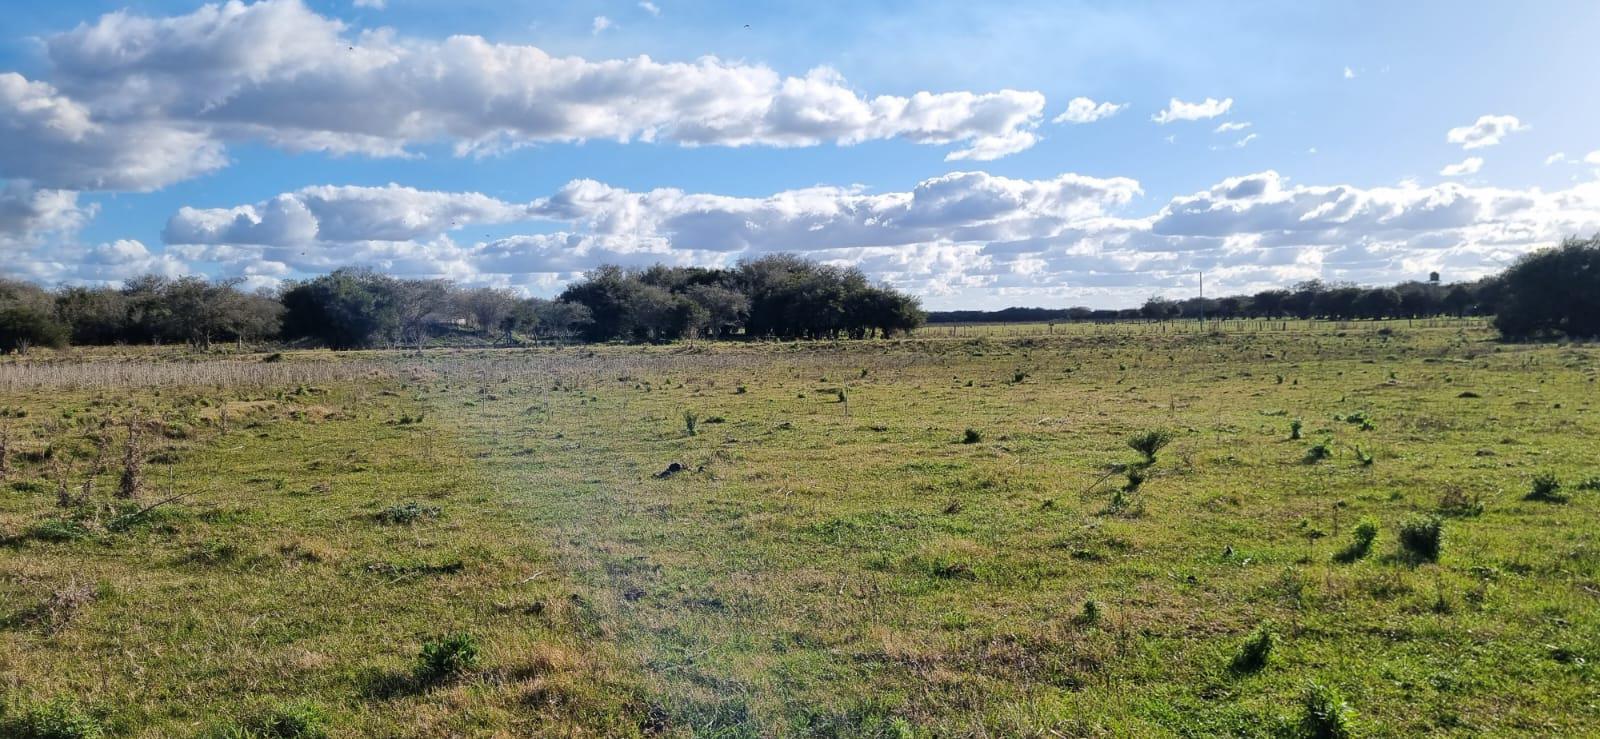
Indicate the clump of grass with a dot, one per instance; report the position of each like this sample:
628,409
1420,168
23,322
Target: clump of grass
1090,615
1360,543
1456,502
1136,477
1592,483
132,480
60,718
691,422
1547,489
1422,537
299,720
971,436
1256,651
1365,458
446,657
406,513
1294,429
1318,452
1324,714
1148,443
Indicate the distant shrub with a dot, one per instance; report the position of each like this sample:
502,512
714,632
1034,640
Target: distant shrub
1148,443
1360,543
1546,488
1365,458
1294,429
1324,714
1136,477
691,422
1422,537
446,657
1090,615
56,719
1256,651
971,436
1592,483
406,513
1318,453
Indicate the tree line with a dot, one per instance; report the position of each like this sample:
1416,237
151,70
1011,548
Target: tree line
778,296
1309,299
1547,293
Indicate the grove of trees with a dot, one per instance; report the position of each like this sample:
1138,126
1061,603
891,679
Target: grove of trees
1548,293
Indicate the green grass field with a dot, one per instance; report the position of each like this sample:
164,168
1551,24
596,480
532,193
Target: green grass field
938,536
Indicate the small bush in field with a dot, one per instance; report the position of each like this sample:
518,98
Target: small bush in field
1360,543
1422,537
1324,714
1546,488
1089,616
1294,429
1148,443
1456,502
971,436
691,422
1318,453
301,720
1256,651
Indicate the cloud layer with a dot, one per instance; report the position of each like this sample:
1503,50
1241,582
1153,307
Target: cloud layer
970,236
135,102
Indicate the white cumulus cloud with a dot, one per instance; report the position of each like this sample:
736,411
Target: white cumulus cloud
1084,110
1488,130
1178,110
1467,166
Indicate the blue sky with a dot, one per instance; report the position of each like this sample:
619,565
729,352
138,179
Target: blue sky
176,138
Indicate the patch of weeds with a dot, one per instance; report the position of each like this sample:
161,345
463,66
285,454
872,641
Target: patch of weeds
1294,429
446,657
60,718
1360,543
1324,714
1456,502
406,513
298,720
691,422
1090,615
1256,651
1547,489
59,530
1590,484
1365,458
1422,538
971,436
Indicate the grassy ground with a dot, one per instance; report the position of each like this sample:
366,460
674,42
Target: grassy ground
839,555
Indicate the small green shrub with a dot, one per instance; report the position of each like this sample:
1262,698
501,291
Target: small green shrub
1149,443
1360,543
406,513
1324,714
1546,488
1592,483
971,436
446,657
60,718
1422,537
1294,429
691,422
1318,453
1256,651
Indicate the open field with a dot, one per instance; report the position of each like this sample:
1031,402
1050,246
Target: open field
936,536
